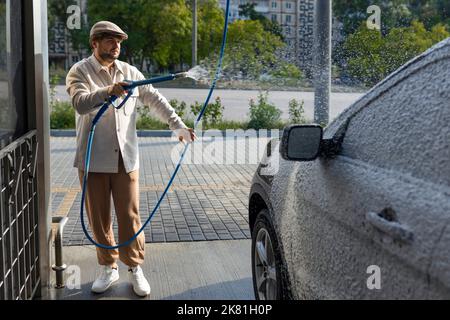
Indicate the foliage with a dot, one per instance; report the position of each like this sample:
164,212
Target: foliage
145,121
263,115
210,27
159,30
212,114
180,108
248,10
394,13
62,116
371,56
250,52
54,80
287,70
296,112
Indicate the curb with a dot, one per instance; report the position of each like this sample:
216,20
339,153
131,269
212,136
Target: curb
150,133
140,133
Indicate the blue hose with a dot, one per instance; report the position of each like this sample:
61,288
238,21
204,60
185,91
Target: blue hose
130,89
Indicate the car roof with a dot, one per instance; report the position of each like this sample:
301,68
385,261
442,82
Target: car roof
437,52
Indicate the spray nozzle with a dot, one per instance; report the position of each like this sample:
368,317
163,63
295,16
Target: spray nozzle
181,75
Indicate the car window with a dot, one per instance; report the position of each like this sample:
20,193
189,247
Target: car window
407,128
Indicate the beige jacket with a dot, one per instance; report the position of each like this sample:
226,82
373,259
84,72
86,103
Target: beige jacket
87,83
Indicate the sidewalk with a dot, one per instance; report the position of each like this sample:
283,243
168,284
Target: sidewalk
206,201
217,270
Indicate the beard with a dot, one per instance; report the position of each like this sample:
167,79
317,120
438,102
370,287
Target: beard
109,56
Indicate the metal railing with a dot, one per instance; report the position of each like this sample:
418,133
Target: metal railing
19,238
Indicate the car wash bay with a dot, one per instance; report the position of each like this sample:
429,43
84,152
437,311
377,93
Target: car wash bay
198,242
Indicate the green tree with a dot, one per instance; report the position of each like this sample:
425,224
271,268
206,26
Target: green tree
248,10
251,51
173,35
160,30
135,17
372,56
362,52
286,70
431,12
394,13
210,27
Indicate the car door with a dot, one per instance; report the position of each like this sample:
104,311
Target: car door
367,222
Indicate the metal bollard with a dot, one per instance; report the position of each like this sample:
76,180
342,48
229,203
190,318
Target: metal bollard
59,266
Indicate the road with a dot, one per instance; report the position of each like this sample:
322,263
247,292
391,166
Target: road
236,102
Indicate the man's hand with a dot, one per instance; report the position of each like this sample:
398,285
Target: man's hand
117,89
186,135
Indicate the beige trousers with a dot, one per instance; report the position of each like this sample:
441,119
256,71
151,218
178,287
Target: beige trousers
124,188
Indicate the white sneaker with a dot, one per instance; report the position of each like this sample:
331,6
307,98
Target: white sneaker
137,279
107,277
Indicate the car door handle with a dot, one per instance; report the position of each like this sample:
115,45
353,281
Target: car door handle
389,225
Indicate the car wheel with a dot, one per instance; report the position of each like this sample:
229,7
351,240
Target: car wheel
268,282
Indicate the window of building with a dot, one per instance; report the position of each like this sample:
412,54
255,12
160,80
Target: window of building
288,18
274,17
288,5
274,4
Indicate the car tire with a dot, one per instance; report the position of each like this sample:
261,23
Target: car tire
272,289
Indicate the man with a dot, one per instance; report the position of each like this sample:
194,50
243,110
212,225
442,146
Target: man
115,155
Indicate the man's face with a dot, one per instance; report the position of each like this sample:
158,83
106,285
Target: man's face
108,48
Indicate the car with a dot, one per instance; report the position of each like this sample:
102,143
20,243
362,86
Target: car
360,209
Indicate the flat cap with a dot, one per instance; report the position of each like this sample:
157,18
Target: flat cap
107,27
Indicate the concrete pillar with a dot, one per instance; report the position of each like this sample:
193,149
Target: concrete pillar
322,60
36,61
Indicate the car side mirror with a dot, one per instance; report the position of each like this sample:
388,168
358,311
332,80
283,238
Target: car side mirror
301,142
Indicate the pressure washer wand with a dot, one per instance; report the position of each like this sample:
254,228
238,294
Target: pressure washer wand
132,85
169,77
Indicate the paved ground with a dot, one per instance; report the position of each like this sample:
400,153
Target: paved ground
236,102
204,270
206,201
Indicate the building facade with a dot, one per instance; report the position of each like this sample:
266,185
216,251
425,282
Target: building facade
296,18
233,13
61,53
